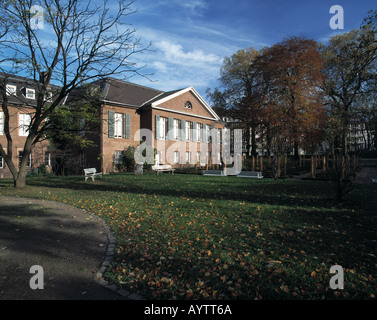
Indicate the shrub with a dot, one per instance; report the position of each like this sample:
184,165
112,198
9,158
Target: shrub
129,158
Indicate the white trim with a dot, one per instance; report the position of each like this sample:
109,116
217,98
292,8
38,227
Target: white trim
8,91
146,102
30,90
119,103
184,113
195,93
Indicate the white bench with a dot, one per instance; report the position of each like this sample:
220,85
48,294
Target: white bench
92,173
162,168
250,174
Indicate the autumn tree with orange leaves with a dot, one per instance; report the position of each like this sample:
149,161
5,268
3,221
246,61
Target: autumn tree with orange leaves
294,112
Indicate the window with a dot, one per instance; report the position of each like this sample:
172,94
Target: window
176,156
11,90
20,154
188,105
24,123
208,134
198,136
118,125
198,156
188,156
47,159
187,131
218,135
30,93
1,123
48,96
175,129
162,128
1,163
118,157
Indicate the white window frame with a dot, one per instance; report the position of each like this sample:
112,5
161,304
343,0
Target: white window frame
24,121
20,155
218,136
197,156
118,125
208,133
30,93
1,123
118,157
162,126
176,156
198,129
175,129
11,90
48,96
48,158
188,131
188,156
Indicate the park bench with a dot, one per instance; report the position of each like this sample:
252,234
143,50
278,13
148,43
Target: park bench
250,174
163,168
92,173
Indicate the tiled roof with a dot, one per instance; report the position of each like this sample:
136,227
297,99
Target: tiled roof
127,93
21,84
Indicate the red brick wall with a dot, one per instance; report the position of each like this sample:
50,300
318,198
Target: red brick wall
110,145
38,151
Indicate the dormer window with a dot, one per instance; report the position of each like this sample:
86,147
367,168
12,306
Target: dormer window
30,93
48,96
188,105
11,90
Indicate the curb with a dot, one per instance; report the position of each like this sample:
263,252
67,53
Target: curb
108,258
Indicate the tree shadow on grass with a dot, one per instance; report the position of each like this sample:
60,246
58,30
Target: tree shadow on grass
292,192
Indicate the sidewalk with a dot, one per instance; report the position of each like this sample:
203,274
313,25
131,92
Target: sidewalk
66,242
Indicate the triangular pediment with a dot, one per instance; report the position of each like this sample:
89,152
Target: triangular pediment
185,101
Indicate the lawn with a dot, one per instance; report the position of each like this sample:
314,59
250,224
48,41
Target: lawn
197,237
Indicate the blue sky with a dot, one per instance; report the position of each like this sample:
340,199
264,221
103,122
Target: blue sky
191,38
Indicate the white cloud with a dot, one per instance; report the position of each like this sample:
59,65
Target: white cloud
175,54
195,6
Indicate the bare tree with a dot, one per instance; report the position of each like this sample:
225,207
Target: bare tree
79,42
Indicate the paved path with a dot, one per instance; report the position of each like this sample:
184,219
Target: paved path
67,242
366,175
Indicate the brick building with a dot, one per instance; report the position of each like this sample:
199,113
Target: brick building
21,94
183,127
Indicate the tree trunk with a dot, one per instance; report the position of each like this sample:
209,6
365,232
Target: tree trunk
253,142
20,181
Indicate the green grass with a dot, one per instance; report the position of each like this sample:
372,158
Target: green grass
198,237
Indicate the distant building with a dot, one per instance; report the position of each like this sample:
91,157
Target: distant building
360,136
185,129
